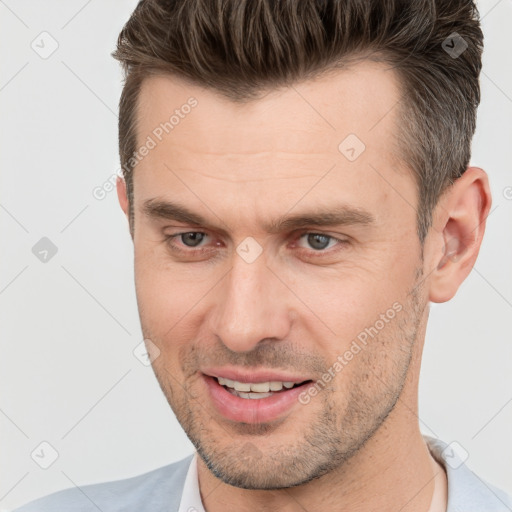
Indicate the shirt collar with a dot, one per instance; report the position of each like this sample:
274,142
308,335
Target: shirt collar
191,497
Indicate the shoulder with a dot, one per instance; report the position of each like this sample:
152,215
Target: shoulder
466,490
155,491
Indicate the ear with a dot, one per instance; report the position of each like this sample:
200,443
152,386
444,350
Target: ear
457,231
123,200
121,194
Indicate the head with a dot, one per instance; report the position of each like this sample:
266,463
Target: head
297,187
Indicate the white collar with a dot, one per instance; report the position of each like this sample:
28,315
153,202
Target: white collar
191,497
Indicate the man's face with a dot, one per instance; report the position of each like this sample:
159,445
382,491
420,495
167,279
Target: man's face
234,298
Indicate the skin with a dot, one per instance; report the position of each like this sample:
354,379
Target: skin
357,444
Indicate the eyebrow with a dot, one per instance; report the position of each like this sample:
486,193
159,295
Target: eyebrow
338,215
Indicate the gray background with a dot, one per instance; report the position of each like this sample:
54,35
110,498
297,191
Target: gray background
69,325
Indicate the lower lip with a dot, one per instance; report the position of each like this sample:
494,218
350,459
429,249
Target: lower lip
248,410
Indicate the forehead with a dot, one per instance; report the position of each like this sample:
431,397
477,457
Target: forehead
276,149
359,99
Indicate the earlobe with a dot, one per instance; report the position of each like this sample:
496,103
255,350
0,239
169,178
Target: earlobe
458,233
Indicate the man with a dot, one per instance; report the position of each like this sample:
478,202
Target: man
298,190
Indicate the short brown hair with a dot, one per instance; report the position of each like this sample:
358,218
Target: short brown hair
242,48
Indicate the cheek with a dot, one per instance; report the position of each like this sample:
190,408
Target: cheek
343,302
171,299
160,298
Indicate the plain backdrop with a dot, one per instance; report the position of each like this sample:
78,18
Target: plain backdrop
70,324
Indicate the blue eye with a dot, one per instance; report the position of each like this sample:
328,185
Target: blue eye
317,241
194,237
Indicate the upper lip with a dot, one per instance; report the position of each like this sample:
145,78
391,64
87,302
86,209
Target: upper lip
244,375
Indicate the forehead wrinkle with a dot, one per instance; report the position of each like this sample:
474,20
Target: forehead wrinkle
244,179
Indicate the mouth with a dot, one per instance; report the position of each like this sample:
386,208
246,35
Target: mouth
257,390
254,402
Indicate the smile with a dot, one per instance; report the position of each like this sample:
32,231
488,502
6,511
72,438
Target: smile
259,402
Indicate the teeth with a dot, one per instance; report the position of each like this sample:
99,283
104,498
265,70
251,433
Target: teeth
242,386
260,387
254,396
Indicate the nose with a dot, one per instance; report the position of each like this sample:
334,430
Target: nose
253,305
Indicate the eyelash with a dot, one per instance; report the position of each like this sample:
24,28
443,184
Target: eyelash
168,239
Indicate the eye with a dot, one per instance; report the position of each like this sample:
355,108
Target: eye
320,241
192,238
317,241
190,242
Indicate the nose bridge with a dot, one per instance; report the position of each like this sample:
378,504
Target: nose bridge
252,305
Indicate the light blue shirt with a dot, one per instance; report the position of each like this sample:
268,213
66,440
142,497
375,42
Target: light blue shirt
175,488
